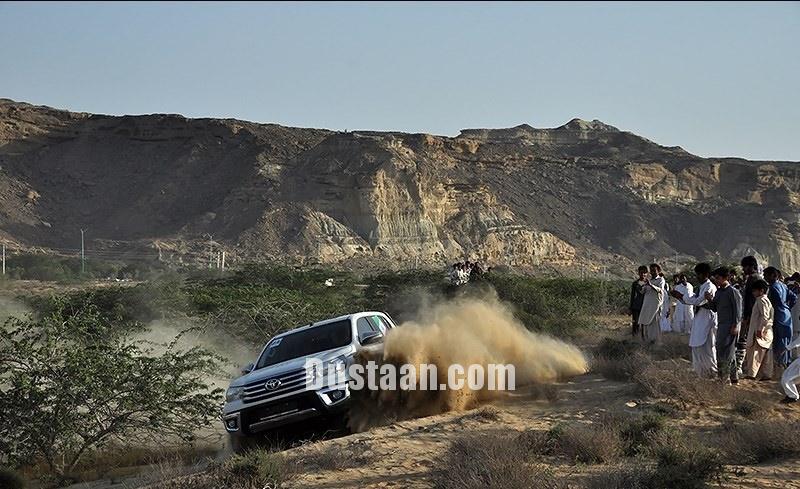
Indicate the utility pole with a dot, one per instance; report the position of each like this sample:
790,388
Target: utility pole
4,258
83,254
210,250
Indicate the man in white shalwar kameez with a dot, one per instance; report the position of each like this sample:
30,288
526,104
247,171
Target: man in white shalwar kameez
683,316
704,326
650,315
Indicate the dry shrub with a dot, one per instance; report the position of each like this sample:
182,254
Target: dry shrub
255,469
672,347
679,463
491,462
625,477
683,463
116,458
619,360
762,441
750,404
582,443
486,413
536,443
586,443
666,408
337,457
637,432
672,380
746,407
601,442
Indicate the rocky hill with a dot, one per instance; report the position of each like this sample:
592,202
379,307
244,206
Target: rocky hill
584,193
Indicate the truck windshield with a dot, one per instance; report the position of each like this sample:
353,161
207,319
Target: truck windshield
306,342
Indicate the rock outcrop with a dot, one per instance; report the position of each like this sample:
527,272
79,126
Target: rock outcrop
584,193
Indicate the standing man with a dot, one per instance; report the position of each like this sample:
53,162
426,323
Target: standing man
683,316
751,276
782,300
637,298
727,302
650,315
704,327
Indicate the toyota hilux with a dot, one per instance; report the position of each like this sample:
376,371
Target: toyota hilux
280,389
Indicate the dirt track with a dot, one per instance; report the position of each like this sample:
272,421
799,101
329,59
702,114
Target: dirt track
407,452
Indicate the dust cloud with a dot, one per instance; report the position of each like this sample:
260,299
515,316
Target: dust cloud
464,331
188,334
12,308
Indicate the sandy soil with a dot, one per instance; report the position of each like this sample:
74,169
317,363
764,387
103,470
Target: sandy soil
406,454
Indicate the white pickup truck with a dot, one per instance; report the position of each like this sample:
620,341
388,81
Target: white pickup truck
277,389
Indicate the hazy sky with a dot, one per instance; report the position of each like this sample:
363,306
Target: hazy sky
718,79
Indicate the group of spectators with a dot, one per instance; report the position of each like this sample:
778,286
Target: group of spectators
464,272
738,327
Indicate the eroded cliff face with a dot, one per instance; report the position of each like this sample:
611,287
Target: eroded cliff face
584,192
752,207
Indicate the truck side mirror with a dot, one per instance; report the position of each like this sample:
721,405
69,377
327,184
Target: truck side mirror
370,338
247,368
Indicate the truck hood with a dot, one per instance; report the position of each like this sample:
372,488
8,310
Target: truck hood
279,369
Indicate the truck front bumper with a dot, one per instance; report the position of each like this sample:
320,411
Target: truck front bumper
330,401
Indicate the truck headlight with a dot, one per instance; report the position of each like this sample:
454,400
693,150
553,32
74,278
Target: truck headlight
335,368
338,365
233,393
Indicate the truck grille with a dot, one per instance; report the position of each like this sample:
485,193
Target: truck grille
291,381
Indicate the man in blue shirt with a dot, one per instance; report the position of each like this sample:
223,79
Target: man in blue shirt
782,300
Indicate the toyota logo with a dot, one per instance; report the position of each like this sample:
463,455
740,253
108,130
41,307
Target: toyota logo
272,384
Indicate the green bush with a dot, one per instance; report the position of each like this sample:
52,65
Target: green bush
559,306
61,366
36,266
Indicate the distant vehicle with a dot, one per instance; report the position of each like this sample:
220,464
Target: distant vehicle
275,392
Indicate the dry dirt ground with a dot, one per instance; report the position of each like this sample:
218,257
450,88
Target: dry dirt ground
408,454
